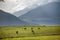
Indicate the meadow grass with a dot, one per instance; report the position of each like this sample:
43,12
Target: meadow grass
57,37
30,33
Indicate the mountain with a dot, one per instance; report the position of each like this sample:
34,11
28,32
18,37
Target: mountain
7,19
19,13
24,11
48,14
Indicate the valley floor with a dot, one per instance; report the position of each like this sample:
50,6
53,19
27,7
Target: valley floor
30,33
56,37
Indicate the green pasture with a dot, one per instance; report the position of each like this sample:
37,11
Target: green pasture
57,37
30,33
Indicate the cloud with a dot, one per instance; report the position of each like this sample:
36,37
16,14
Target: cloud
12,6
7,5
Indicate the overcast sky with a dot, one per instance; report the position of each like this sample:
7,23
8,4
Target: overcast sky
12,6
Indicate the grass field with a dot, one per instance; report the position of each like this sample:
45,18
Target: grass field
35,38
30,33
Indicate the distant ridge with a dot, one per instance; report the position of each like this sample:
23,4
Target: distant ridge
7,19
44,15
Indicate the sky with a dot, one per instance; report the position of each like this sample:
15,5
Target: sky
12,6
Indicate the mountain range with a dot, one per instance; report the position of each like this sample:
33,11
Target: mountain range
48,14
7,19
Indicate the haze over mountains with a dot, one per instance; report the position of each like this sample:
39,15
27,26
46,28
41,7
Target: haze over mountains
48,14
44,15
7,19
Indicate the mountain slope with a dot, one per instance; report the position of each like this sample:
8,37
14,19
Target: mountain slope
19,13
7,19
44,15
24,11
